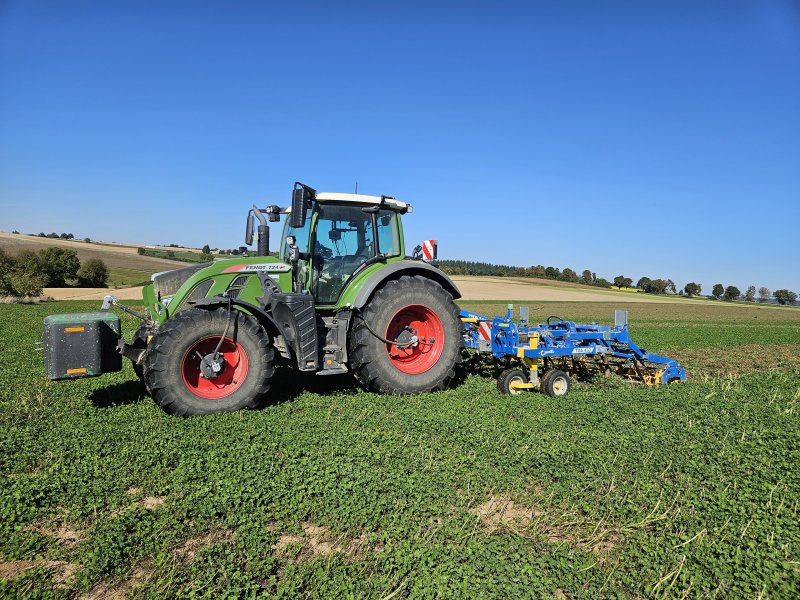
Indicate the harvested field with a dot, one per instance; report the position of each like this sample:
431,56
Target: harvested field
489,288
124,257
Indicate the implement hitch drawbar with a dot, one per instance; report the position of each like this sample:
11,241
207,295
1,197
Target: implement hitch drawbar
548,354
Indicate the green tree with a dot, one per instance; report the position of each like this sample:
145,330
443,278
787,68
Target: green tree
93,273
587,277
658,286
784,296
141,251
670,287
619,281
600,282
717,291
644,284
57,265
25,284
763,294
750,294
569,275
14,281
692,289
27,260
731,293
206,249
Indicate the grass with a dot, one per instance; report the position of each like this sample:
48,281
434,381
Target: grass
182,255
125,277
615,491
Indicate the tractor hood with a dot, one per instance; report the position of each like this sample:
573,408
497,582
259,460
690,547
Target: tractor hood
167,283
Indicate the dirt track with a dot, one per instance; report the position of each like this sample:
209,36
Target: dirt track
131,293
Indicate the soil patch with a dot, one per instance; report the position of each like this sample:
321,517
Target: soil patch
504,513
186,552
318,540
61,570
152,502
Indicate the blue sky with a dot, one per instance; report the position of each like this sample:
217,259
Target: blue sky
635,138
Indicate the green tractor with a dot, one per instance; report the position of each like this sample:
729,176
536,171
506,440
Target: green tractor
341,296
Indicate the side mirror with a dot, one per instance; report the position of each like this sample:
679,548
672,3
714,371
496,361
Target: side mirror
302,196
248,233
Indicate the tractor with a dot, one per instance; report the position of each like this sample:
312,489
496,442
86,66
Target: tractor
340,296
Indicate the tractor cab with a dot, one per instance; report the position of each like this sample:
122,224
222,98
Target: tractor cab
330,237
342,234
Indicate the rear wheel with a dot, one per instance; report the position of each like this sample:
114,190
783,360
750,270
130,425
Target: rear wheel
209,361
422,318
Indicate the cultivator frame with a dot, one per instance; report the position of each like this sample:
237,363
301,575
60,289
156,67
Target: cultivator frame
564,347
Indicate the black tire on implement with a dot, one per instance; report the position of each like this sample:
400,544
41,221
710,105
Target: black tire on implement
507,377
171,365
370,357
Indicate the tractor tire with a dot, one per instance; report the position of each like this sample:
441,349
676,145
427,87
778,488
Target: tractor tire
555,383
172,367
405,306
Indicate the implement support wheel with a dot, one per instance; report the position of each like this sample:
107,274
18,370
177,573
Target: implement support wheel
509,377
555,383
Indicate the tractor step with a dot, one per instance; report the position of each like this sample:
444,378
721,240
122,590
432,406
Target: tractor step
334,371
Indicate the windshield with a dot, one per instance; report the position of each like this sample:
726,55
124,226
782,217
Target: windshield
343,241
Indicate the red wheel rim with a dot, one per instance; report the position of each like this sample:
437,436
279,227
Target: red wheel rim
230,379
426,325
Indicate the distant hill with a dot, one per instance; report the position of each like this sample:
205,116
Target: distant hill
126,267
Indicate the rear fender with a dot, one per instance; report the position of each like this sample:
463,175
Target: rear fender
404,267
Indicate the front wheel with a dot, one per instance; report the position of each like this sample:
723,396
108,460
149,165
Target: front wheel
408,339
209,361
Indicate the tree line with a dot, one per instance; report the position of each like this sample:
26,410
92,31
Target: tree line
27,272
731,292
469,267
644,284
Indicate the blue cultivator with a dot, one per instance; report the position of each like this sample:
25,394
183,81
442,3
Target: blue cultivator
558,348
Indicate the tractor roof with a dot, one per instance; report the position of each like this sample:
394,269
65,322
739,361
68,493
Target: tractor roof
363,199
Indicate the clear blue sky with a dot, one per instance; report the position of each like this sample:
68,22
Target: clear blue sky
642,138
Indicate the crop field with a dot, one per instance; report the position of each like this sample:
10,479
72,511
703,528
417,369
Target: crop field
616,490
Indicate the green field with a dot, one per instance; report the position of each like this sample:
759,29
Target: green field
617,490
119,277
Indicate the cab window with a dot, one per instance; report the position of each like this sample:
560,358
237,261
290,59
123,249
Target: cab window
343,241
388,234
301,234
